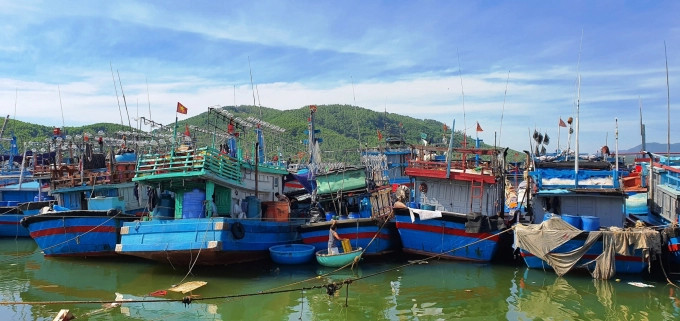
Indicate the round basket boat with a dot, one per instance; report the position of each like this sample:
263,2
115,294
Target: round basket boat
291,253
338,260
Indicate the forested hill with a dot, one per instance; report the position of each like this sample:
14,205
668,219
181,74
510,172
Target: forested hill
342,128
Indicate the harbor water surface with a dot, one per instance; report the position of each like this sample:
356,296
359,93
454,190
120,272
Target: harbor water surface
438,290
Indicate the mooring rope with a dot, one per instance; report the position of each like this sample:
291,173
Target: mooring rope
331,287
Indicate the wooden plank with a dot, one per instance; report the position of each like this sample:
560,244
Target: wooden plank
187,286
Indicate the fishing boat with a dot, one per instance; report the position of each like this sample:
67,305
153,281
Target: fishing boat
95,195
361,216
20,200
662,201
358,197
578,218
338,259
245,220
453,212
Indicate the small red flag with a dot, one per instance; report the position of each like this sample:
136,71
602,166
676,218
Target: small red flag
379,135
562,124
479,128
186,130
181,109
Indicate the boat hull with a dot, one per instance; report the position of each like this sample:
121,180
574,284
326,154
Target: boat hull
438,236
359,231
627,264
10,218
76,233
674,250
204,241
337,260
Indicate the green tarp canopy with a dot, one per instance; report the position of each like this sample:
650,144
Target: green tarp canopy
345,180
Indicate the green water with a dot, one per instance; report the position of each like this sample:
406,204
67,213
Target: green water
434,291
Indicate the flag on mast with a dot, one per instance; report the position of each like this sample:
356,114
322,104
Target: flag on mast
479,128
181,109
562,124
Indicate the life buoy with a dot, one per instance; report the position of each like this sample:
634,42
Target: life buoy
422,188
238,231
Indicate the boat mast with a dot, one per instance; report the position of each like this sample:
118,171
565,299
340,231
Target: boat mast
668,118
576,158
616,154
642,127
578,106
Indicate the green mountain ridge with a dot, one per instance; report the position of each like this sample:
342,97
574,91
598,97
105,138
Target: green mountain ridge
342,128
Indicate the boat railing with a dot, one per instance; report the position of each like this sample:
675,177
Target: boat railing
565,179
70,175
457,165
671,179
186,160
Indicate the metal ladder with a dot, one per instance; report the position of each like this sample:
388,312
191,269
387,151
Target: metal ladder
476,192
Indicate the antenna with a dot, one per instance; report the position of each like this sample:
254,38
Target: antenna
116,89
124,100
500,132
62,108
252,87
148,99
462,92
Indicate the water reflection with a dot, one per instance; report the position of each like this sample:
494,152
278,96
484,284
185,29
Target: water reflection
544,294
434,291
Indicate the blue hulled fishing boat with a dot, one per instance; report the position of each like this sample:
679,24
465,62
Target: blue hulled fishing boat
357,197
217,204
578,219
456,202
95,195
20,200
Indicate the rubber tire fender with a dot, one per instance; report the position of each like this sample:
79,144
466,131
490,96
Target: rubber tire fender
237,230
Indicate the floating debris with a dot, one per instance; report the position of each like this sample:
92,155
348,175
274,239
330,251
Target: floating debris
641,285
188,286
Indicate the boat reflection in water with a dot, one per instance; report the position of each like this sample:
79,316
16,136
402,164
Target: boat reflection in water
538,294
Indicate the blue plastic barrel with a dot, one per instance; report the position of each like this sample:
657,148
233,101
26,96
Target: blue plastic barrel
166,208
192,204
365,208
254,207
126,158
330,215
413,205
590,223
3,203
573,220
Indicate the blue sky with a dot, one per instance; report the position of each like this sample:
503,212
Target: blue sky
409,57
